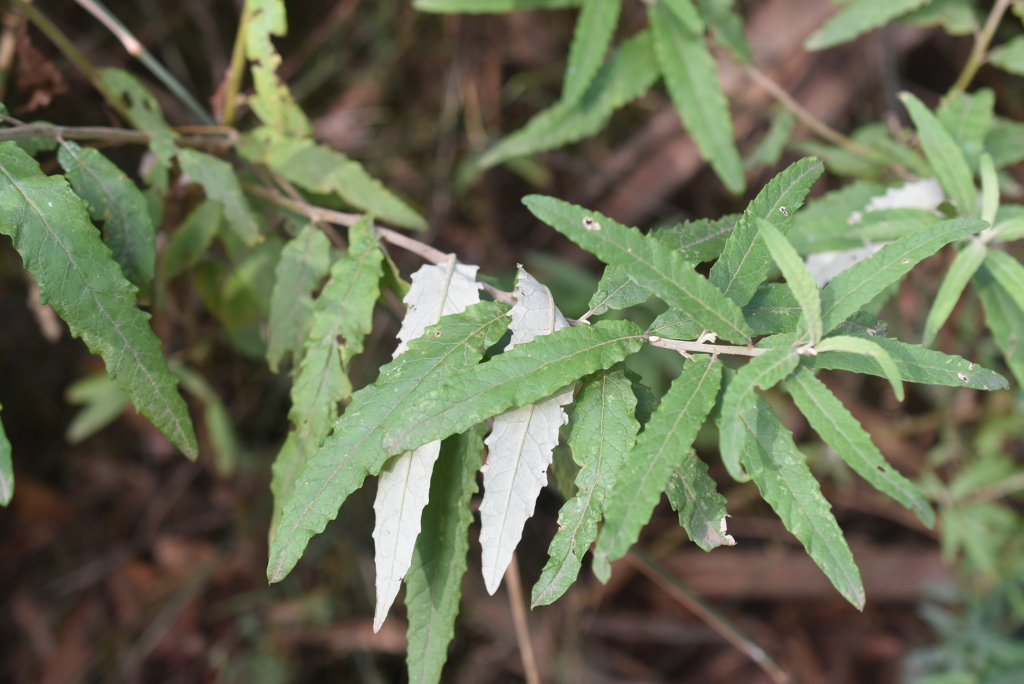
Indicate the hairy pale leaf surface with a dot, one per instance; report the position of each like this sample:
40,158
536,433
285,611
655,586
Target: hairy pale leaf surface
433,584
644,258
591,38
662,447
357,446
1004,318
798,278
304,261
191,239
114,199
604,429
617,290
702,513
77,276
959,274
691,76
344,310
787,484
945,157
844,434
857,17
745,260
630,72
490,6
738,402
858,285
865,347
273,102
403,486
6,468
220,183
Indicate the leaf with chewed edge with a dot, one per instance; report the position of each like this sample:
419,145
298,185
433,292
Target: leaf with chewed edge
702,513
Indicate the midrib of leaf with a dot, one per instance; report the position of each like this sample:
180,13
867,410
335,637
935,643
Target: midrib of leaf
607,299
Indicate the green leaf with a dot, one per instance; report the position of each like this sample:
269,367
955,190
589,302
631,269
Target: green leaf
344,310
844,434
220,183
630,72
1008,272
489,6
320,169
692,493
191,239
727,27
591,38
662,272
526,374
273,102
799,279
989,189
944,155
787,484
617,290
957,277
77,276
6,468
866,347
762,371
861,229
102,400
114,200
832,213
686,13
603,432
304,261
219,428
773,309
433,585
662,447
956,17
143,109
859,16
700,240
745,260
967,117
356,448
1005,142
771,146
691,77
915,364
1009,56
859,284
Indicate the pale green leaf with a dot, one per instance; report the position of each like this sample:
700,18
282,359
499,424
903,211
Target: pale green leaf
859,284
273,102
617,290
603,432
691,77
77,276
763,372
831,214
968,117
489,6
857,17
143,109
945,157
1008,272
102,403
304,262
1005,142
798,278
6,468
653,267
662,447
356,448
787,484
220,183
864,228
433,584
700,240
887,152
686,12
866,347
1004,318
693,495
1009,56
989,189
191,239
219,428
956,17
773,143
727,27
630,72
841,431
591,38
745,259
957,277
115,200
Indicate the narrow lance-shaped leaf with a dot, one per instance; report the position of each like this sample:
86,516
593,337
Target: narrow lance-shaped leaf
691,77
687,13
844,434
645,259
727,27
959,274
521,441
489,6
662,447
1008,272
617,290
216,418
433,584
1004,318
1009,56
144,110
859,16
604,429
6,468
304,261
787,484
968,118
595,26
404,483
191,239
989,189
799,279
859,284
114,199
77,276
762,371
745,260
220,183
944,156
356,448
701,509
866,347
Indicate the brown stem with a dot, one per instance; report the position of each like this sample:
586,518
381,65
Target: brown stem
515,599
201,136
981,43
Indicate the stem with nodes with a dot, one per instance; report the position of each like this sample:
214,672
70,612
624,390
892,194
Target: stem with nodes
981,43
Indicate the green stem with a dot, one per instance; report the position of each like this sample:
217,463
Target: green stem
981,42
236,69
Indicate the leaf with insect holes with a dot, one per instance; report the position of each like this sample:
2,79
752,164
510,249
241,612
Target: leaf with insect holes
959,274
595,26
521,441
662,447
6,468
273,102
220,182
143,109
61,248
437,290
304,262
799,280
702,513
859,16
490,6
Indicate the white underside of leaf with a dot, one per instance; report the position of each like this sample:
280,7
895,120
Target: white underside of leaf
922,194
825,266
521,443
403,490
437,290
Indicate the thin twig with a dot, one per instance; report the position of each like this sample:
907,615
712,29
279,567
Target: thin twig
200,136
697,347
12,23
515,600
981,42
671,585
235,70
